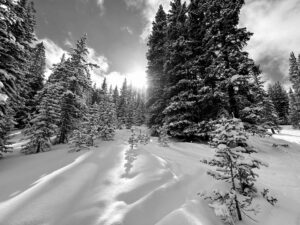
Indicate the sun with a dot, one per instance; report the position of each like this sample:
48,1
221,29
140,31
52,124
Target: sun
138,78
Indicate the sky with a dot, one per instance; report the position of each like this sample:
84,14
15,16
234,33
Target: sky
117,32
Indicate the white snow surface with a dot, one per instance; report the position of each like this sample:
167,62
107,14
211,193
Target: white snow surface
112,184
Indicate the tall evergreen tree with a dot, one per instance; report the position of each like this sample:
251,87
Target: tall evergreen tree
280,101
294,115
115,96
16,35
34,83
139,110
107,120
44,124
177,116
104,87
123,103
156,103
294,75
74,76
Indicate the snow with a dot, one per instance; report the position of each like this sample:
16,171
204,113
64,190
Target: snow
112,184
289,134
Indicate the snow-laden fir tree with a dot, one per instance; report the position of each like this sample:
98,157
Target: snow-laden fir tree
177,112
122,104
34,83
139,110
16,37
156,102
43,126
280,100
74,75
130,107
294,75
235,165
163,137
294,116
86,132
107,120
68,116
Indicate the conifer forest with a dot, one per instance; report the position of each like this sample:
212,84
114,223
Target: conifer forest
209,138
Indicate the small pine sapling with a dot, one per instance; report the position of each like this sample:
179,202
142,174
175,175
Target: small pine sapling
234,164
84,136
272,200
78,141
133,139
143,138
163,137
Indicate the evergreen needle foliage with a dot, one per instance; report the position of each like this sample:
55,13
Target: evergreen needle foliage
235,165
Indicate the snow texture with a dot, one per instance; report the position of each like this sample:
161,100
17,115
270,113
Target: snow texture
113,184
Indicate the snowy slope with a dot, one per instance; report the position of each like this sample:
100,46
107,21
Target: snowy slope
150,185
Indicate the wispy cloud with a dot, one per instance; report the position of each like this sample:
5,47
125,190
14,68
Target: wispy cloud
53,54
97,74
100,3
127,29
149,9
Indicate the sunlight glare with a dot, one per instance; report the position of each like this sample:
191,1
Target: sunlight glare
138,78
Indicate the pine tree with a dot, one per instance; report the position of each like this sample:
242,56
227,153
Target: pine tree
107,120
177,115
234,165
85,134
294,75
73,74
68,117
280,101
156,77
294,116
115,96
139,110
129,107
122,104
44,124
34,83
16,35
104,87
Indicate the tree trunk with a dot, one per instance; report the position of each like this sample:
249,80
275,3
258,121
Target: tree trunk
235,197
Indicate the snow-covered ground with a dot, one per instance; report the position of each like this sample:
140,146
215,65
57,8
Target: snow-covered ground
151,185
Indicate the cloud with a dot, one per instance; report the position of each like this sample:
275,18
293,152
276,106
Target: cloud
53,54
149,9
100,3
97,74
68,43
273,22
275,27
127,29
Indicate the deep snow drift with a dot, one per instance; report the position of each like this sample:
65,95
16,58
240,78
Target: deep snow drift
151,185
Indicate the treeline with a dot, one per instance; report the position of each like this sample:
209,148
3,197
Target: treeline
65,108
198,70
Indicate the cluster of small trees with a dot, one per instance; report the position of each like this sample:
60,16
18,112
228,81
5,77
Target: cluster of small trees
129,103
198,69
65,110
